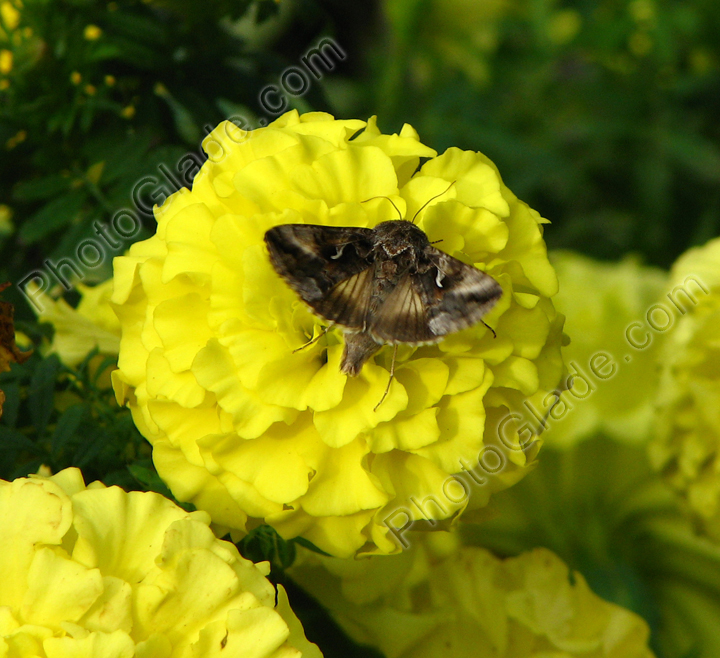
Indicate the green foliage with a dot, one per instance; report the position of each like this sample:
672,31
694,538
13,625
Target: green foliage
98,96
601,115
59,417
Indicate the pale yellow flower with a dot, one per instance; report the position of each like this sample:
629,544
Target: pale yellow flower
465,602
686,447
610,359
98,572
78,331
244,425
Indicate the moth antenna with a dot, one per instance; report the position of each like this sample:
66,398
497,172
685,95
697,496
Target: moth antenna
389,199
435,241
392,376
316,339
429,200
489,327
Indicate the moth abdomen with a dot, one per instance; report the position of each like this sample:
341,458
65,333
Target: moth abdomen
359,347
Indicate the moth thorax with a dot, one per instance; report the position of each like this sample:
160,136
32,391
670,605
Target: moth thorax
399,235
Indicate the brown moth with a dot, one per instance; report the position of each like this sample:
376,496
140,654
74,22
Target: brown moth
386,285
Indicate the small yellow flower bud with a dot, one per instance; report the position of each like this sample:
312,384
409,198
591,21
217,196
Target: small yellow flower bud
6,61
92,32
10,16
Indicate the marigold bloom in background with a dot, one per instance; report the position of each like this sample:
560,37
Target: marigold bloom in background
438,599
600,507
686,447
602,304
78,331
96,571
248,427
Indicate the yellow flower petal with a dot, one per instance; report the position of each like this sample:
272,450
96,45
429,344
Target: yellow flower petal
58,589
32,512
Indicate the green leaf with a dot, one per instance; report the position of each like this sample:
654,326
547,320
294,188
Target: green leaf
67,427
42,188
41,395
11,404
264,543
11,439
185,124
104,51
699,155
90,447
310,546
56,214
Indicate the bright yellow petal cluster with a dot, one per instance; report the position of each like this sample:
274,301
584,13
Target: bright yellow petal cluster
465,602
78,331
686,447
245,425
607,307
98,572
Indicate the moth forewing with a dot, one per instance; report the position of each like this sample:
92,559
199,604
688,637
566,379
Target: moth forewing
314,259
464,295
381,285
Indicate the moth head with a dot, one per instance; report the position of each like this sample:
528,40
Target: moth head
398,235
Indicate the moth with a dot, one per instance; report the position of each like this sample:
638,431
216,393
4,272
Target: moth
385,285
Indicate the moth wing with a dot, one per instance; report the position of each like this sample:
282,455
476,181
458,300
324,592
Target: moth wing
456,295
402,315
348,302
329,267
313,259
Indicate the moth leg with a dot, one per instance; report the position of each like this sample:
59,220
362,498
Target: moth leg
392,376
489,327
316,339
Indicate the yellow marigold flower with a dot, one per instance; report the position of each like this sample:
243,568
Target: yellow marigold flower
606,306
78,331
467,603
92,32
246,426
76,77
128,112
686,447
96,571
